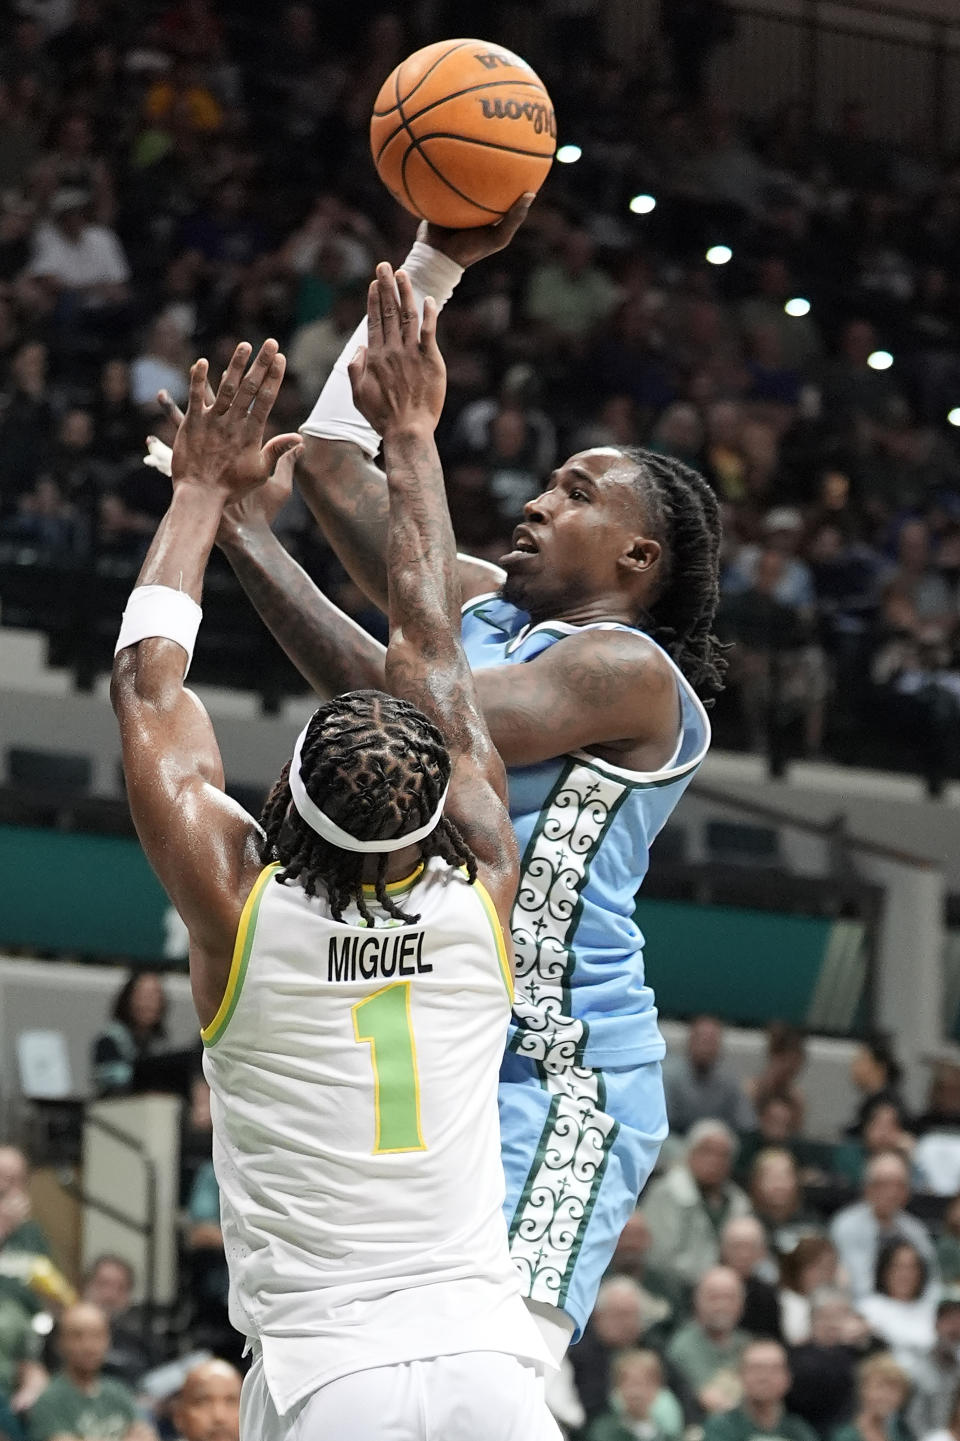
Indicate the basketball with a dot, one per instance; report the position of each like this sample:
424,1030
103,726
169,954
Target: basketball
460,131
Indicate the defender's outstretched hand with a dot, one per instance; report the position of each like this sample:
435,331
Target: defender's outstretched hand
399,379
220,443
466,247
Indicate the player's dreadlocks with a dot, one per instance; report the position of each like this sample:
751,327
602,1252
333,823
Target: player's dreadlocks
378,768
685,517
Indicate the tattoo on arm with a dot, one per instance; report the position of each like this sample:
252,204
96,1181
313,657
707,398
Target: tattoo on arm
347,496
330,650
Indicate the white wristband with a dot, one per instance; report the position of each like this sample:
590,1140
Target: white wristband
335,417
160,611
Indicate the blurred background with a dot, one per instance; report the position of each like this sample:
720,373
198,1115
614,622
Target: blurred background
747,256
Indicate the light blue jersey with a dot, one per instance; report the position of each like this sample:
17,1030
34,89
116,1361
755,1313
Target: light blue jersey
585,829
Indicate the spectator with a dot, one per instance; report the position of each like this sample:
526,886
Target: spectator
208,1406
636,1402
936,1376
137,1030
706,1351
700,1086
208,1261
80,1402
315,346
22,1377
571,295
618,1322
688,1207
786,1058
779,673
948,1244
161,365
26,425
75,258
661,1296
109,1285
777,1129
765,1376
943,1099
919,585
876,1073
810,1267
18,1232
783,530
951,1428
824,1367
859,1231
743,1247
118,424
778,1201
883,1389
902,1309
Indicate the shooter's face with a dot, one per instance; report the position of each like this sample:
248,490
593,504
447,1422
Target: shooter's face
577,537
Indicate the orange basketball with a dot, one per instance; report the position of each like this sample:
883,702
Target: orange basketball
460,130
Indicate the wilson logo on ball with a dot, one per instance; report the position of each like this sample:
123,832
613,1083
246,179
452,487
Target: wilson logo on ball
494,58
540,116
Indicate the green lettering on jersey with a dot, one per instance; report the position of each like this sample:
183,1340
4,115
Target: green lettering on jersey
383,1022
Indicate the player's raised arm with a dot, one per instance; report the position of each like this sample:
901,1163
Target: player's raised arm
339,481
200,843
399,381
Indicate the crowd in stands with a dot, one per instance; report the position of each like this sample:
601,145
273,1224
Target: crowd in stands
150,211
770,1283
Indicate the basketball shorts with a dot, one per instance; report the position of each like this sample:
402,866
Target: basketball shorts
476,1396
578,1146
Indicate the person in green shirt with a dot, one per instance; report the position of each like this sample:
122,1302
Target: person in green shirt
640,1406
883,1389
765,1378
21,1374
706,1351
80,1404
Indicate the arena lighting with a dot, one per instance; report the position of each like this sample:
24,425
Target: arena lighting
719,255
954,417
642,204
880,360
797,307
569,154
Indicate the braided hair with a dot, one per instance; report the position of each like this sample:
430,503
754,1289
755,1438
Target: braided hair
683,512
378,767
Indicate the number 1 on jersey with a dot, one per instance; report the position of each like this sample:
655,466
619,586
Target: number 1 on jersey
383,1021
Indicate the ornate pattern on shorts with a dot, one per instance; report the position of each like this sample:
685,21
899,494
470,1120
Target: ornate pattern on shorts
555,867
561,1189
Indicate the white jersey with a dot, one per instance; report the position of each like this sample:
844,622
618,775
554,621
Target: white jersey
356,1139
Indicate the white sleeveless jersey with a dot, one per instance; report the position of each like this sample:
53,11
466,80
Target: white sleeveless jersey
353,1073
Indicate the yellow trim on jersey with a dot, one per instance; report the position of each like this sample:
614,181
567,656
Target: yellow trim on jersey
503,955
242,947
406,883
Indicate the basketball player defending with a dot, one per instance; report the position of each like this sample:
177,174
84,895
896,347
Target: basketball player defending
347,957
589,644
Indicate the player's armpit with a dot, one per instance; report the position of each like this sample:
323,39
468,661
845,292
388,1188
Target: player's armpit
591,689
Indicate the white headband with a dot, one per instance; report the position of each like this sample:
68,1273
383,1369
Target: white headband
318,821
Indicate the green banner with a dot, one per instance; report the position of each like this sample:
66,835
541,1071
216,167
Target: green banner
96,897
84,894
748,966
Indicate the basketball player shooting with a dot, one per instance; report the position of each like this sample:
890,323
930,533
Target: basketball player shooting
347,956
592,648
